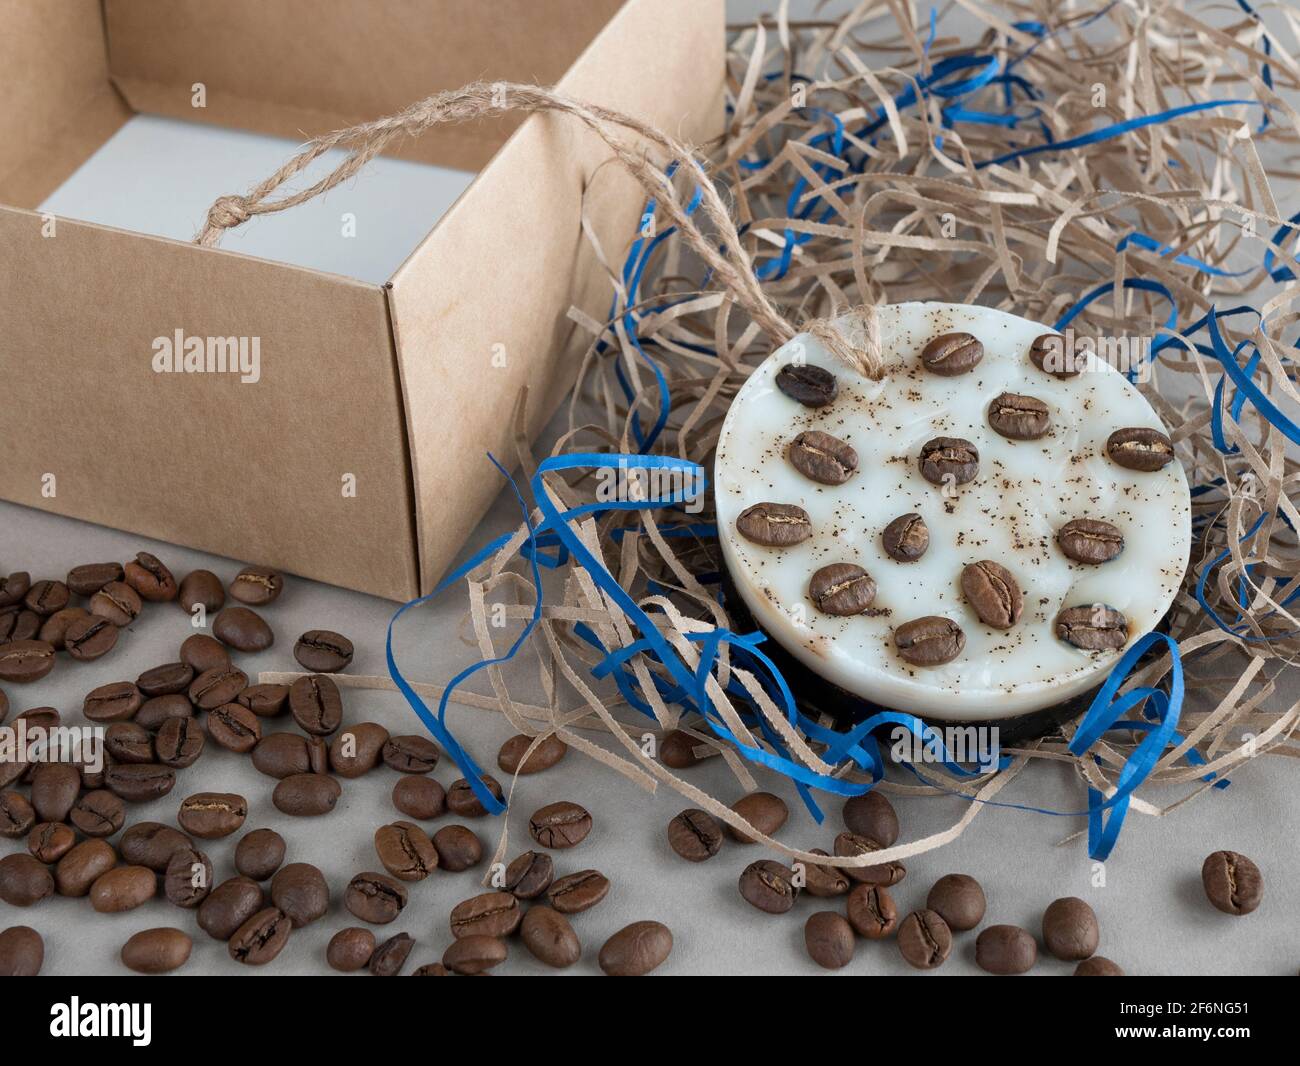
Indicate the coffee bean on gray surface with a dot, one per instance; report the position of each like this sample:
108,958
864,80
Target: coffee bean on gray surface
257,586
949,460
872,815
165,679
23,880
22,952
433,969
419,797
306,795
549,936
487,914
391,955
259,853
872,911
560,825
179,742
201,588
150,578
458,847
265,701
18,623
636,949
55,786
204,653
809,385
188,879
993,593
25,661
549,751
234,727
577,892
409,754
828,936
155,712
529,875
1049,354
260,939
98,813
301,892
959,900
766,812
45,597
54,630
282,755
1019,417
375,897
114,702
1142,449
117,602
924,940
129,742
769,886
677,750
929,641
1093,627
405,851
1005,949
229,906
49,841
1070,929
123,888
350,949
1098,966
842,589
952,354
156,951
14,587
217,687
152,844
462,801
242,629
822,458
356,750
1232,882
695,835
1086,540
316,705
774,525
89,578
322,651
17,816
83,866
823,881
906,538
851,844
475,954
211,815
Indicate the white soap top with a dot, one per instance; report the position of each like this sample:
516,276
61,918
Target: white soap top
1025,491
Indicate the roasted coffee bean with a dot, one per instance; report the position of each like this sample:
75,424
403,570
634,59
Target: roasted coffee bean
560,825
14,587
24,661
823,882
949,460
577,892
350,949
829,940
22,952
906,538
410,754
1019,417
1005,949
822,458
23,880
549,751
762,810
993,593
842,589
188,879
229,906
260,939
550,938
952,354
212,815
242,629
265,701
461,799
282,755
234,727
1088,541
316,705
115,702
46,597
259,853
216,688
1093,628
54,630
809,385
1070,930
55,786
4,707
474,954
153,581
677,750
166,679
375,898
92,771
45,718
924,940
257,586
17,816
307,795
129,742
1233,884
98,814
636,949
157,951
48,841
81,867
458,847
356,750
391,955
20,624
155,713
89,578
300,891
929,641
202,588
152,844
695,835
872,911
1048,353
90,638
123,889
405,851
433,969
117,602
774,525
488,914
529,875
323,651
419,797
872,815
179,743
204,653
1142,449
769,886
1098,966
848,845
959,900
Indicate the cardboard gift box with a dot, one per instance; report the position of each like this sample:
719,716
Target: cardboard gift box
352,448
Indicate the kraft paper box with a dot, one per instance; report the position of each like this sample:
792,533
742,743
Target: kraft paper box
357,456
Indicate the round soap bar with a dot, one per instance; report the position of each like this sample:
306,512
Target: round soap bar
970,538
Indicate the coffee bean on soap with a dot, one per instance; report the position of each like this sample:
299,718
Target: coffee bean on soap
636,949
322,651
316,705
560,825
24,661
924,940
375,898
695,835
1233,884
549,751
848,845
824,882
1070,929
458,847
405,851
306,795
487,914
89,578
952,354
1098,966
774,525
150,578
419,797
1005,949
842,589
822,458
260,939
769,886
959,900
408,754
949,460
529,875
872,815
1092,628
828,936
1142,449
46,597
1049,355
117,602
993,593
462,801
229,906
391,955
906,538
350,949
256,586
764,811
475,954
22,952
211,815
259,853
929,641
201,588
577,892
1019,417
242,629
301,892
550,938
809,385
1086,540
872,911
155,951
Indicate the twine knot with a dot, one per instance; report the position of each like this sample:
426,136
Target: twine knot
227,211
854,339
